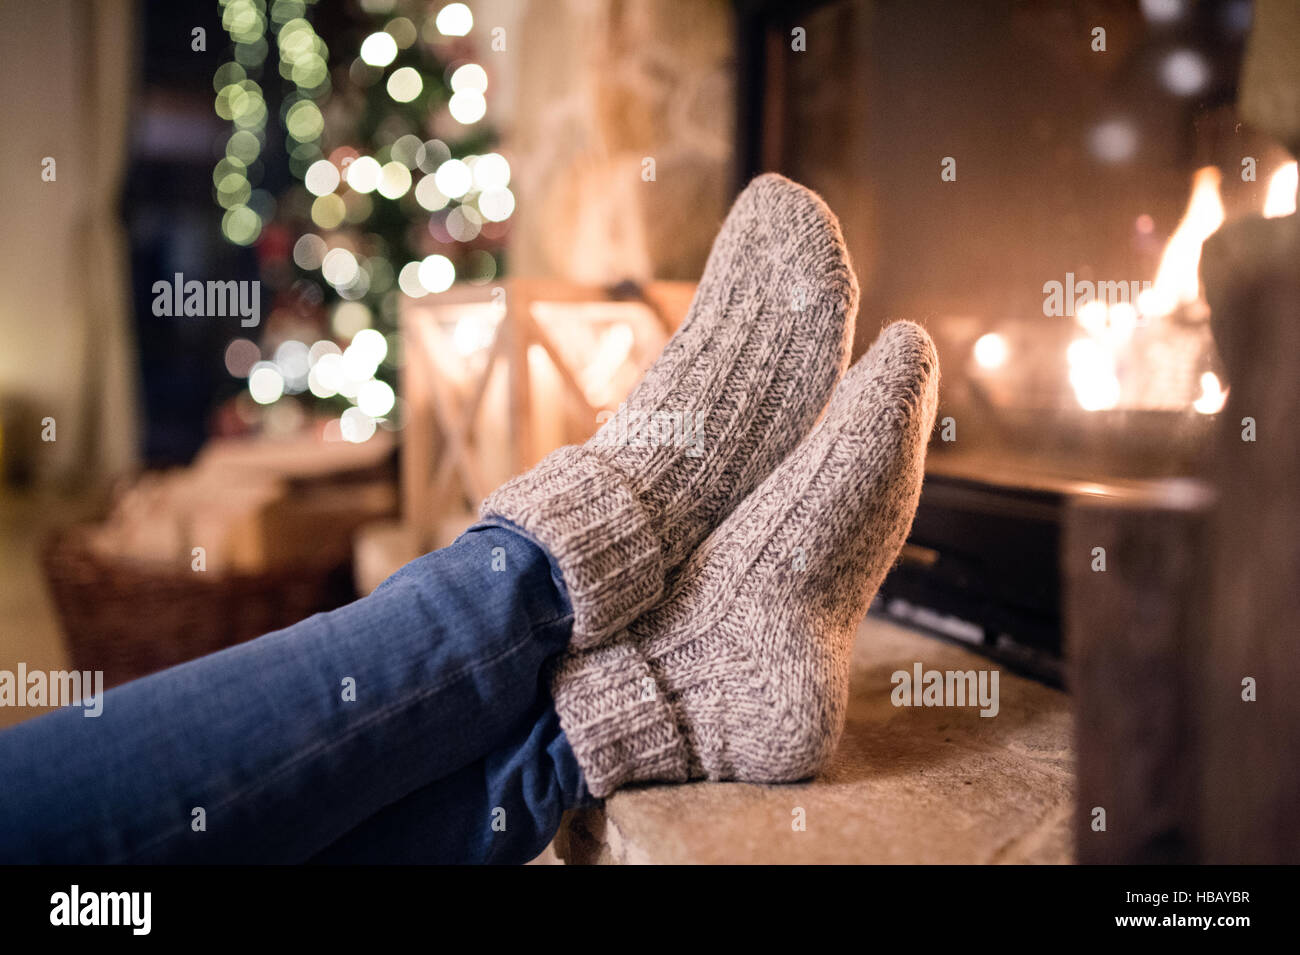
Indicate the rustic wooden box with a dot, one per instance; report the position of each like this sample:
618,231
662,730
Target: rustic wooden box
496,377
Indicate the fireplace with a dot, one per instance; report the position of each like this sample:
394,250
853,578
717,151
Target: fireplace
1033,182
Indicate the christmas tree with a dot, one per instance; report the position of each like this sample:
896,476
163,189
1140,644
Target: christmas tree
394,189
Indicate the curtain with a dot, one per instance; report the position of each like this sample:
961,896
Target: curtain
66,349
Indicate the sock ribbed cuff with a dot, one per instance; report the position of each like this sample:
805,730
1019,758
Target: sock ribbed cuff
588,518
618,719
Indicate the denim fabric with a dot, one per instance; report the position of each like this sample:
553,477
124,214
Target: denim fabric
394,727
503,809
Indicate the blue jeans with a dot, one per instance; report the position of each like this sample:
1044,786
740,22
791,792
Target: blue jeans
413,725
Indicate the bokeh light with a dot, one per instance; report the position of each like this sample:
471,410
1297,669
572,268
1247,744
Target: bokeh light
322,348
408,280
394,180
233,190
376,398
480,267
464,223
339,267
241,356
304,121
325,376
241,225
371,344
437,273
467,107
227,74
496,205
405,84
322,178
378,49
328,211
455,19
402,31
1113,140
265,383
349,319
1185,72
293,361
991,351
244,146
428,195
406,150
453,178
469,78
363,174
491,171
1162,11
431,155
356,426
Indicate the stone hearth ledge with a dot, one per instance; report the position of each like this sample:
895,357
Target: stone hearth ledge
907,784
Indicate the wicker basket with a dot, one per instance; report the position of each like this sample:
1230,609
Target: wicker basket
129,618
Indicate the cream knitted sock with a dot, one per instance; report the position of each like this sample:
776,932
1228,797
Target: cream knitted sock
742,671
752,366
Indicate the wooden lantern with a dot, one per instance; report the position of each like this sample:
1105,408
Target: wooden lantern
496,377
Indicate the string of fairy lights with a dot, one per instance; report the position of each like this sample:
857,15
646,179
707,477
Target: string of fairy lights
380,207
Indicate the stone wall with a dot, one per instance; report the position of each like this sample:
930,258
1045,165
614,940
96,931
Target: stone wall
596,88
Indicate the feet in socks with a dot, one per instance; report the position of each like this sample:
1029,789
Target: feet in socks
752,366
741,672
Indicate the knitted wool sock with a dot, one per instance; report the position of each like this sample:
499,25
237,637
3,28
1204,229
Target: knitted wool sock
752,366
742,671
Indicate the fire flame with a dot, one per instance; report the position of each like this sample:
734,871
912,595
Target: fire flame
1177,280
1280,199
1213,395
1094,361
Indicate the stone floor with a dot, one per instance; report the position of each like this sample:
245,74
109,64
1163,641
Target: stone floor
908,784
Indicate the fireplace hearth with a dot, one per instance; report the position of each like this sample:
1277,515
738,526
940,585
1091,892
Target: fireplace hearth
1033,182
